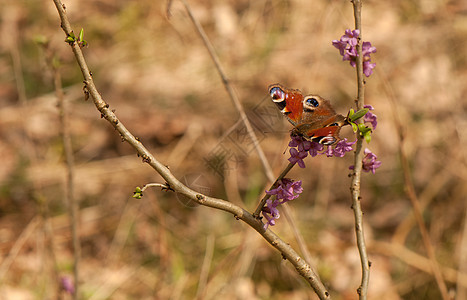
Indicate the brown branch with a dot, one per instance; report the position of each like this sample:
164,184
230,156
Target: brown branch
230,91
288,252
356,175
53,66
273,186
69,195
238,105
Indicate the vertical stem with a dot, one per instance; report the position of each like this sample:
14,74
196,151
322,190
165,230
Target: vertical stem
71,203
356,176
357,4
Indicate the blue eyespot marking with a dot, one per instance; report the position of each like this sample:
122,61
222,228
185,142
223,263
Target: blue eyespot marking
277,94
312,102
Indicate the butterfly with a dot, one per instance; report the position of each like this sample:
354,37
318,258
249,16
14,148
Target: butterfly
312,116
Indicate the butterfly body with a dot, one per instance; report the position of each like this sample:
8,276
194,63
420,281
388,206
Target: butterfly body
312,116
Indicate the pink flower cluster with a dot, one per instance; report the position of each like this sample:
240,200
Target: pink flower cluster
287,190
347,46
370,164
301,147
370,117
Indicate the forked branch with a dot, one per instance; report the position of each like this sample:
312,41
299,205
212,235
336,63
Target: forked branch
287,252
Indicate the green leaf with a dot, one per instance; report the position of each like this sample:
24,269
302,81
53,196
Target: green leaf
83,43
71,38
365,132
81,35
354,126
363,128
368,137
138,193
358,114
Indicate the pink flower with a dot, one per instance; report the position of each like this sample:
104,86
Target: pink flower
287,190
297,157
295,140
343,147
370,117
347,46
370,164
303,147
339,149
347,43
315,147
270,212
329,152
367,49
67,284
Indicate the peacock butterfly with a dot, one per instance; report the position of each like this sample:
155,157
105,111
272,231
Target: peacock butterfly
312,116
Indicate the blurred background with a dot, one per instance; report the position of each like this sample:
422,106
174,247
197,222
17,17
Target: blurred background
150,65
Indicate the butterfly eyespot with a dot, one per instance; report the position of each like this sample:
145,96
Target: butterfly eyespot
324,140
312,101
333,124
277,94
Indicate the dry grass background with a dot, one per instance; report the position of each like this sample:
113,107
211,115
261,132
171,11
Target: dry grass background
158,76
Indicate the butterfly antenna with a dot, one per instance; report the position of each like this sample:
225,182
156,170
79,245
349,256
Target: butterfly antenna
346,120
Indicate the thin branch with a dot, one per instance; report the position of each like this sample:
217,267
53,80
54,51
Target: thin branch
161,185
69,195
273,186
356,175
207,261
231,92
269,174
71,203
287,252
